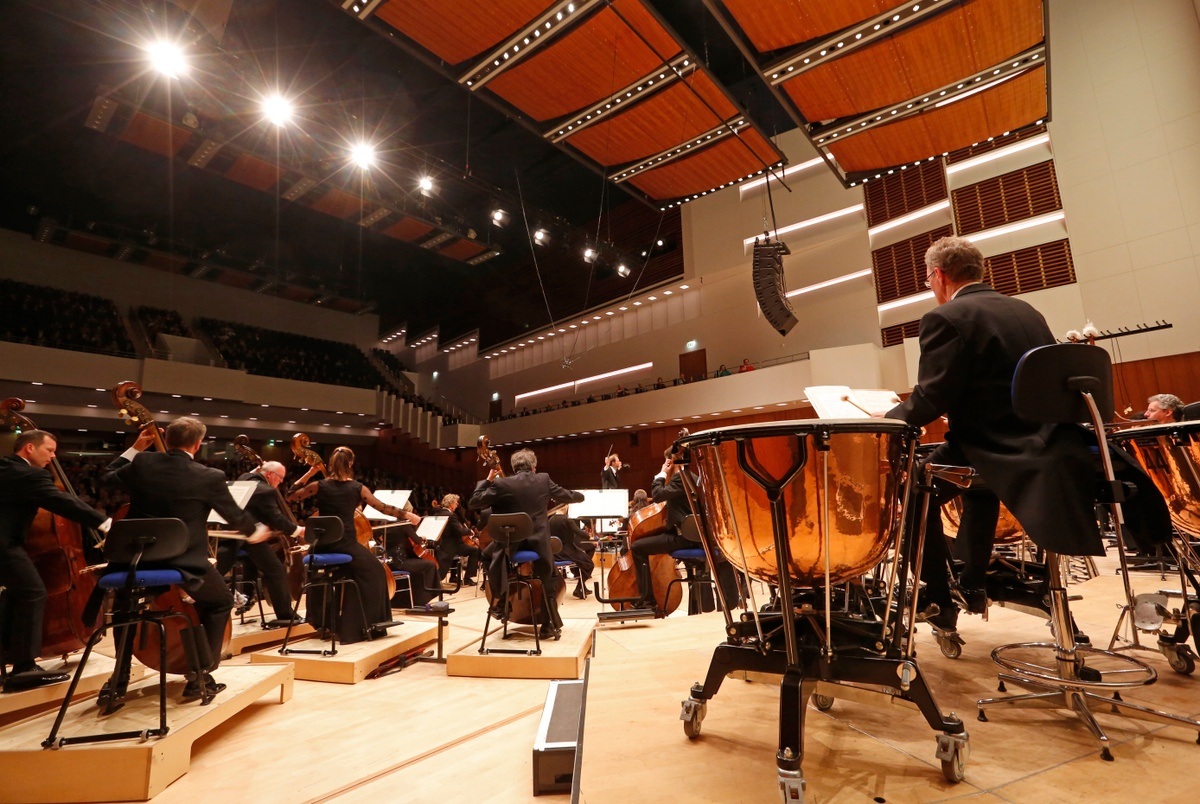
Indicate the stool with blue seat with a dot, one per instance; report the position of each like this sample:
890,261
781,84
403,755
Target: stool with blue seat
507,532
1072,383
322,571
138,552
698,578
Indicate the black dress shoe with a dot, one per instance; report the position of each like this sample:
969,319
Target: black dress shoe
580,592
497,611
112,696
976,599
33,677
549,632
193,691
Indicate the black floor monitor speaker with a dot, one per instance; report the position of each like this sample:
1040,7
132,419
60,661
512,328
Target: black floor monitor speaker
769,287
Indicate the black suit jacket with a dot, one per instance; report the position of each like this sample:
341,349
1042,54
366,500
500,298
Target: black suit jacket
609,478
525,491
675,496
265,506
171,484
1043,472
23,490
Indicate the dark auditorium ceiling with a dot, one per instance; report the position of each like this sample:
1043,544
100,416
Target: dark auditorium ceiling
591,119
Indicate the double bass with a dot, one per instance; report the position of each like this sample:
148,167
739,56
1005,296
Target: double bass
290,552
174,600
55,545
523,611
362,526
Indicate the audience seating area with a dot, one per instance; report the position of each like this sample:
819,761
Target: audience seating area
390,361
61,319
157,321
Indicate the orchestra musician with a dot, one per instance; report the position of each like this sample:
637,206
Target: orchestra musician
26,486
173,484
970,345
1163,409
339,494
266,505
423,572
609,479
453,544
668,488
532,492
575,548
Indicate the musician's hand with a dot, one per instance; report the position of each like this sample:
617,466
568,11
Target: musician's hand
668,468
492,475
145,439
104,526
261,534
298,535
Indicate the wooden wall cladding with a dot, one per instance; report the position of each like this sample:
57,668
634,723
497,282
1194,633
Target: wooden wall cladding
1014,196
1134,382
899,269
896,333
904,191
963,154
1048,265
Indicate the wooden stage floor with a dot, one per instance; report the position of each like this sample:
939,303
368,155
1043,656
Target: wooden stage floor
420,735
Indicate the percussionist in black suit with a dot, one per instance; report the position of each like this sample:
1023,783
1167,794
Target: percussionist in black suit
172,484
532,492
970,345
26,486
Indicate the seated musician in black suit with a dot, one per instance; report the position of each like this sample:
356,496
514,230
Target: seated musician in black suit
423,572
575,549
172,484
267,506
453,542
26,486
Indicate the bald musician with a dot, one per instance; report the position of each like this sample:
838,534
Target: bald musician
26,486
267,506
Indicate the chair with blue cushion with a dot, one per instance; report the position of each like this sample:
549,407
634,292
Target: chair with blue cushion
322,572
138,552
507,532
1072,383
698,578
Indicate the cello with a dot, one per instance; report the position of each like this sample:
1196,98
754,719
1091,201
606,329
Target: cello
291,552
55,545
522,611
175,600
363,532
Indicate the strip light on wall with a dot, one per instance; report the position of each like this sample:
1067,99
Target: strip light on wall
892,305
999,153
912,216
828,283
594,378
1016,227
750,185
749,241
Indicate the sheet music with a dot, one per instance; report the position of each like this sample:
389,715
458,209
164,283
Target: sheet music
600,503
242,491
394,497
844,402
431,528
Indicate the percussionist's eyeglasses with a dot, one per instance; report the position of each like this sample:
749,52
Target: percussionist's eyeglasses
929,277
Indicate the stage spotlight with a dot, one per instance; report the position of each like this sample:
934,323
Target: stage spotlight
426,185
363,155
167,58
590,254
623,270
499,217
277,109
541,237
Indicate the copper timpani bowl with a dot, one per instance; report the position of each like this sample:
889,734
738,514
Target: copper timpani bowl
1170,454
839,485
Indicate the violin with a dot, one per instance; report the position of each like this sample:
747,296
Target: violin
55,545
174,601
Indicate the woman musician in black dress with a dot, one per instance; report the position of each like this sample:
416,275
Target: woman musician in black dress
339,494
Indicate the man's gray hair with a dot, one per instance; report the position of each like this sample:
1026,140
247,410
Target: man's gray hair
1168,402
523,460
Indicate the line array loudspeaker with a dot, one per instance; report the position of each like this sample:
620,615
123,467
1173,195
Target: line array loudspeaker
769,288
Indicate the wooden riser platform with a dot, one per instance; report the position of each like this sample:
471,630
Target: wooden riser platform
99,668
252,636
562,659
353,662
127,770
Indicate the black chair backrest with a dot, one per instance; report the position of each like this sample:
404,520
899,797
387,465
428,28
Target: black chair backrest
1190,412
323,530
1049,380
505,529
157,539
690,529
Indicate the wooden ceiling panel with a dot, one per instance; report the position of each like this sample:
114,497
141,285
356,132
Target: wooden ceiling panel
237,280
917,60
579,68
408,229
783,23
92,245
1006,107
166,262
462,249
673,115
660,40
296,294
712,166
456,30
337,203
253,172
154,134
